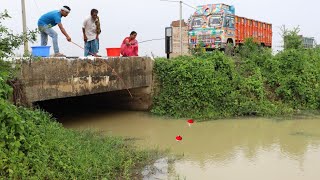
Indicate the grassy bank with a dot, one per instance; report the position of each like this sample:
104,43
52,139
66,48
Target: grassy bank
252,82
34,146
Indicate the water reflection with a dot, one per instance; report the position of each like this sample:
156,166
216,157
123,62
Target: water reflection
253,148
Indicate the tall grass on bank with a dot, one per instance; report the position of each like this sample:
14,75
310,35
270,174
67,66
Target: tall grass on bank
35,146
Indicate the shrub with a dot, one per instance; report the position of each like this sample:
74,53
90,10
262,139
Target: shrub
253,82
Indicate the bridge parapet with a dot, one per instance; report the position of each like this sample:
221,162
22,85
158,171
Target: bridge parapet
55,78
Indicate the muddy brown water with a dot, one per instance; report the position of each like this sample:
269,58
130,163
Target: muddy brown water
241,149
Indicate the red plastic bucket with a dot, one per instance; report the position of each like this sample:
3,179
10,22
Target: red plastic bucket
113,51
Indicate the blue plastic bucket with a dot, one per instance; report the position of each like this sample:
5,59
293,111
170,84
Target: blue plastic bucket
41,51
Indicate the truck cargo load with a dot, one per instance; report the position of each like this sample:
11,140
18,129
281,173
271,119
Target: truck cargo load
215,26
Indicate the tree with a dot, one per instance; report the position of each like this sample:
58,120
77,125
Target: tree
291,38
10,41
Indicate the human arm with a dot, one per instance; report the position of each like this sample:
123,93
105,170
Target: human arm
134,43
85,38
64,32
127,41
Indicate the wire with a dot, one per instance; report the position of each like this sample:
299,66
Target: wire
189,5
180,2
151,40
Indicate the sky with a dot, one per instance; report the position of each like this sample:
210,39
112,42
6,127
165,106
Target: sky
150,17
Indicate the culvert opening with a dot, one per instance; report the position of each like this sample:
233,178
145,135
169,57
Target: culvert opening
95,103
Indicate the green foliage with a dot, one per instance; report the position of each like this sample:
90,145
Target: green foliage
9,41
193,86
33,146
250,49
291,38
253,82
199,49
5,89
296,79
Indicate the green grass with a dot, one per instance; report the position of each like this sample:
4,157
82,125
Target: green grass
34,146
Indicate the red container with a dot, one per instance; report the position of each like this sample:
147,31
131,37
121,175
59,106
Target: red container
261,32
113,51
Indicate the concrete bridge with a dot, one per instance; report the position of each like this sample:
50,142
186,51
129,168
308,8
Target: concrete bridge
54,78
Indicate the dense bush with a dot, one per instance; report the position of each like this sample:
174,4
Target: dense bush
193,86
253,82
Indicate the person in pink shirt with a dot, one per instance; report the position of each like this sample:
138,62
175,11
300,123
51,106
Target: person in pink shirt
129,45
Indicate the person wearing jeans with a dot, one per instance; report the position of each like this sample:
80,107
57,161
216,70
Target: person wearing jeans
91,30
47,22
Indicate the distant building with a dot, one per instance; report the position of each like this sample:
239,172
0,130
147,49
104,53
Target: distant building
308,42
176,38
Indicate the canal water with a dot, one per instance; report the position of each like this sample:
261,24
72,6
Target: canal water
230,149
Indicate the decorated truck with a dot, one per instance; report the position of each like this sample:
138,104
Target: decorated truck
215,26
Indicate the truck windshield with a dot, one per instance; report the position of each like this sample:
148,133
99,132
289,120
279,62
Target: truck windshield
229,22
197,22
214,21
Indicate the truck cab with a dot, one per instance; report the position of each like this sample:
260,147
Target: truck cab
212,26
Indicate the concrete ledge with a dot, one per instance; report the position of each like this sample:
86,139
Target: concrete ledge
53,78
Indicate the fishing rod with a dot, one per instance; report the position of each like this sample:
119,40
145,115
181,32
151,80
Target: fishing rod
151,40
108,67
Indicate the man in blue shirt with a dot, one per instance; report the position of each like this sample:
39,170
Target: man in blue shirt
47,22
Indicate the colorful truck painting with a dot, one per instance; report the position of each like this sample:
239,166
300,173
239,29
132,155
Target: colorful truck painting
214,26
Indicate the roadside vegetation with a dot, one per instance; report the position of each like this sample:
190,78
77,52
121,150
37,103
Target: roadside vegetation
253,81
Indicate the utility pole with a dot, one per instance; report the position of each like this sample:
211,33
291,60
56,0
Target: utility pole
180,24
24,23
180,28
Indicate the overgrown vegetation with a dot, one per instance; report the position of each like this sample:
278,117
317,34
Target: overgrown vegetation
35,146
252,82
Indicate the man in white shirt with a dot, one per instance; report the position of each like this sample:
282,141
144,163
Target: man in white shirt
91,31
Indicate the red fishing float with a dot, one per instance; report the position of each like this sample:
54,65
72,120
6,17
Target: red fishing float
190,122
179,138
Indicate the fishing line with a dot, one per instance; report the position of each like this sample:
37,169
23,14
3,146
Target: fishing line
107,66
